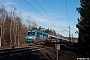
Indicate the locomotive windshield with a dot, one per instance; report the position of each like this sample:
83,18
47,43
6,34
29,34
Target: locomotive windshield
31,33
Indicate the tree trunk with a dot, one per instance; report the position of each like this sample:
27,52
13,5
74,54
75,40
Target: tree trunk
18,34
14,32
1,30
11,34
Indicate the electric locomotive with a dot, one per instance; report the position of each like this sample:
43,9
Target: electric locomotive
36,36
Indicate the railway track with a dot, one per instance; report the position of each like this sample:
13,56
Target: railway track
16,50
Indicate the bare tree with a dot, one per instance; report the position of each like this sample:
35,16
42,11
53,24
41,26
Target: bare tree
3,14
28,22
11,27
34,25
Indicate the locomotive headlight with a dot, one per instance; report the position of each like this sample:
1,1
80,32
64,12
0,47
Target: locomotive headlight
26,37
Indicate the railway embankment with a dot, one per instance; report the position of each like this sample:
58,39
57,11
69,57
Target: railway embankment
66,52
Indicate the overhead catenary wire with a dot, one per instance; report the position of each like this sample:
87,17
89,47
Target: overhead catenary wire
45,12
36,9
48,15
39,12
52,9
17,10
54,12
68,18
58,15
67,12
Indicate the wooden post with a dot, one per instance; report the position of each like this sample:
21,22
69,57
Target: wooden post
57,54
58,48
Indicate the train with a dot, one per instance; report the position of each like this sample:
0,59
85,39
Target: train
38,37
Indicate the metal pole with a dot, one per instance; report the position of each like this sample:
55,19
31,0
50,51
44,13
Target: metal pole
72,38
69,32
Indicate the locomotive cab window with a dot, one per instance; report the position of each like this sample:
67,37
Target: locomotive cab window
31,33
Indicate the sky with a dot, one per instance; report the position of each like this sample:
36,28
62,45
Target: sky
53,14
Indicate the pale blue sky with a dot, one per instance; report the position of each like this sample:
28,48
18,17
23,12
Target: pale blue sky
52,16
